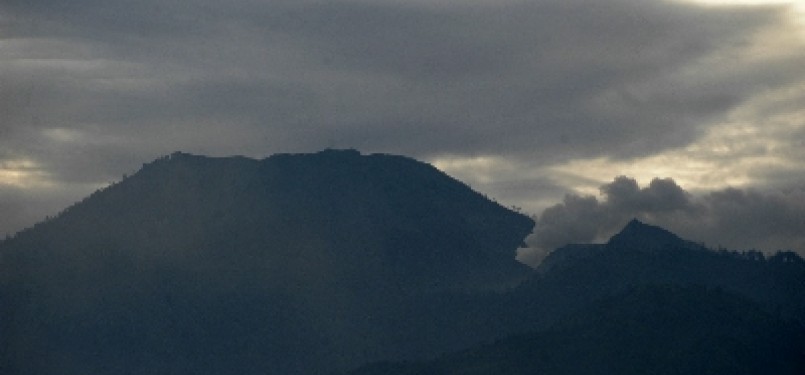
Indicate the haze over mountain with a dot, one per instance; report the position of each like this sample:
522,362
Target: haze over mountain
314,263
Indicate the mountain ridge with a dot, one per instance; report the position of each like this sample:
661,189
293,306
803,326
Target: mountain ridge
639,234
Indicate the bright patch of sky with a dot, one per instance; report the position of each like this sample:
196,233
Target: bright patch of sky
22,173
797,7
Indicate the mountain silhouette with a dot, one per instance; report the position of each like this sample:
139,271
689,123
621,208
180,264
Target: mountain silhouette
321,263
421,228
635,236
296,263
642,253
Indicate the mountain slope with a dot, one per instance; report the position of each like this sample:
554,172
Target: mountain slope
291,264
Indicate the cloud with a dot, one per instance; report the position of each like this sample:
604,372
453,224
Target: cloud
528,76
751,219
662,195
736,219
535,84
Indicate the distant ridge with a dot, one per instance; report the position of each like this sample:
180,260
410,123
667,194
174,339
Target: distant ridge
643,254
635,236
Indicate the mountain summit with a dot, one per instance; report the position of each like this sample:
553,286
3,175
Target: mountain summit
635,236
638,235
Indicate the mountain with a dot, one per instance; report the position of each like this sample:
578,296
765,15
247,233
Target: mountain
635,237
376,212
294,264
643,254
321,263
646,330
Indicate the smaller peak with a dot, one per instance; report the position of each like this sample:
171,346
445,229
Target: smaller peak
635,224
639,234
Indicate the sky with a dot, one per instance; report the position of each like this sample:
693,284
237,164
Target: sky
582,113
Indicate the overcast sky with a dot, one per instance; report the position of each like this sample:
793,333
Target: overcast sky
536,103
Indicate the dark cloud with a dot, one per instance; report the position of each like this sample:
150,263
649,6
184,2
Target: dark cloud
576,220
662,195
752,219
524,75
736,219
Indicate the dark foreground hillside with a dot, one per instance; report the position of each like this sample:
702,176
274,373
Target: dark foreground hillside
650,330
293,264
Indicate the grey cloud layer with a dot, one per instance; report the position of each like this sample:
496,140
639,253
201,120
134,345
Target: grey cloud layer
737,219
528,79
539,81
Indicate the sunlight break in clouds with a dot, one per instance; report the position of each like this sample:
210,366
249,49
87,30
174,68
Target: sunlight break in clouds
739,152
23,173
514,184
797,7
479,169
